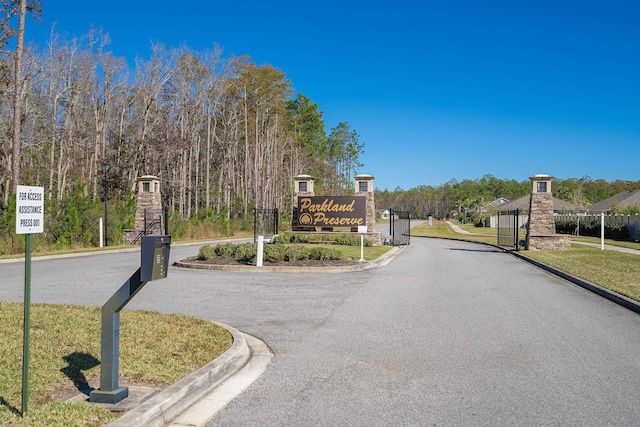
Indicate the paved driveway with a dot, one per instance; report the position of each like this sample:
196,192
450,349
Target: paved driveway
449,333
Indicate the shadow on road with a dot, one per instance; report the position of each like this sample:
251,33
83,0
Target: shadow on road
476,250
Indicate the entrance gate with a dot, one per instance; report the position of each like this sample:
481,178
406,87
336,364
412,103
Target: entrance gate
508,228
399,227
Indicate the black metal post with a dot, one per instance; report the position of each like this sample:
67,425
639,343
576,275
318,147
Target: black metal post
255,225
516,231
166,221
105,168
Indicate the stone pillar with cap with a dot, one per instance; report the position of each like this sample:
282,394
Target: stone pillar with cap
149,217
302,187
541,231
364,187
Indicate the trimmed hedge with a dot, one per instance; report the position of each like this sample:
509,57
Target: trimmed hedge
592,228
247,252
345,239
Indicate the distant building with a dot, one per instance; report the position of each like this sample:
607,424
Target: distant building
497,203
621,200
522,203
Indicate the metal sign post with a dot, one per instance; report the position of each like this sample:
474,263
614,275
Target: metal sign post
154,263
29,220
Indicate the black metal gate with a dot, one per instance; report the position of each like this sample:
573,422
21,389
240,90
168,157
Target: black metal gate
399,227
265,223
508,228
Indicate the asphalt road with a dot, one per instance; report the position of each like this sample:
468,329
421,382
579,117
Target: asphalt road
448,334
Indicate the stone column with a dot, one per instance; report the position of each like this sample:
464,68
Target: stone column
541,232
364,187
149,204
302,187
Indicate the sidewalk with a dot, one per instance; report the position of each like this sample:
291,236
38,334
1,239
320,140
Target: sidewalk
457,229
609,247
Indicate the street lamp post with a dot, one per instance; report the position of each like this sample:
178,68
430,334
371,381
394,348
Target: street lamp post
105,168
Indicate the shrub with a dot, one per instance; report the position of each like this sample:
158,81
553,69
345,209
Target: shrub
274,252
592,229
206,252
247,253
296,253
346,239
226,250
324,253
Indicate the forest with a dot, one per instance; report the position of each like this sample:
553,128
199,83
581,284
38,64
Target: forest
225,135
461,199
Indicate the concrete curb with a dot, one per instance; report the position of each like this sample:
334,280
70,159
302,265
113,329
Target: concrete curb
379,262
612,296
165,406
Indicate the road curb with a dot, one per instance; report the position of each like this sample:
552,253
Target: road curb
612,296
165,406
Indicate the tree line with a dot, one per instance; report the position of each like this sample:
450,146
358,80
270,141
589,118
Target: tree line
222,133
455,198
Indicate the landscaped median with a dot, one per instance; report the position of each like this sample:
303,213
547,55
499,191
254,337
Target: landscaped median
615,271
156,350
332,252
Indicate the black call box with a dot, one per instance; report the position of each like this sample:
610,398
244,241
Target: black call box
154,257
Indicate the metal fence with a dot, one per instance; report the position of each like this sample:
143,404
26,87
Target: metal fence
399,227
265,223
509,229
632,222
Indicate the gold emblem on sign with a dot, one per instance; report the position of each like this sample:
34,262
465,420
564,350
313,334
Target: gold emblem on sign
306,219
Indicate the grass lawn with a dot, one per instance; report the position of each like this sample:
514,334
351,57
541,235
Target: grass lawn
155,349
630,245
616,271
442,229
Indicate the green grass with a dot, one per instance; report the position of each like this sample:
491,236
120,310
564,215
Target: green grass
443,230
616,271
629,245
155,349
619,272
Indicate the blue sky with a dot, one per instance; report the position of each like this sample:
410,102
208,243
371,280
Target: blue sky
436,89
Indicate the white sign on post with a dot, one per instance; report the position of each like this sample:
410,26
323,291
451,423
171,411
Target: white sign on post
29,210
